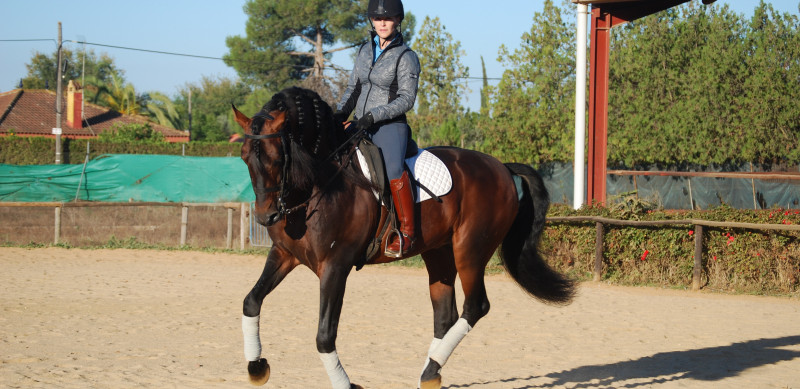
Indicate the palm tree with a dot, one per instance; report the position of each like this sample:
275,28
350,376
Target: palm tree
121,96
159,108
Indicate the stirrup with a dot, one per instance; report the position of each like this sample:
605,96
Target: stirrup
389,253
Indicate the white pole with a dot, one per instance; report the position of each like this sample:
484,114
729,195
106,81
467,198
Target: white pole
580,107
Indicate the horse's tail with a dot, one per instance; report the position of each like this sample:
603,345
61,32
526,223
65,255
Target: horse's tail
519,251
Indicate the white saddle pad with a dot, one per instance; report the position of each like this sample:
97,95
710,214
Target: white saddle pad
425,168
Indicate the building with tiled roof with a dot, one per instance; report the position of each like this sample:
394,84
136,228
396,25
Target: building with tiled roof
32,112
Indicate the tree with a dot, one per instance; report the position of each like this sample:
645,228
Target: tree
484,89
533,105
211,107
160,108
442,82
290,41
99,70
120,96
772,89
694,76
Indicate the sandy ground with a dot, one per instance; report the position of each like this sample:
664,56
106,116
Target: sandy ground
158,319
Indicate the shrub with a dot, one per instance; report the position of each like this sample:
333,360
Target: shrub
734,259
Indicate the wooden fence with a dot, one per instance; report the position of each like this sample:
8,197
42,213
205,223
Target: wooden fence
243,220
600,223
698,224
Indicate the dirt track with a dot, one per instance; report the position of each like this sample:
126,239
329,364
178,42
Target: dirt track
122,319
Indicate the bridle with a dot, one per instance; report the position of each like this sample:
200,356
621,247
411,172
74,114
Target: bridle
283,184
282,187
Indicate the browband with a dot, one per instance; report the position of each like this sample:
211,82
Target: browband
264,136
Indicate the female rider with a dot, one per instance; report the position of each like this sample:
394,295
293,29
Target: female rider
381,89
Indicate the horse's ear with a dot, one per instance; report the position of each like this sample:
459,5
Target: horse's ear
242,119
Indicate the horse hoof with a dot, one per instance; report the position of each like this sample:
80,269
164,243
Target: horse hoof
433,383
258,371
354,386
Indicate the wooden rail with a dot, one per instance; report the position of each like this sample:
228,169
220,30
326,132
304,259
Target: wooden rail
244,220
698,224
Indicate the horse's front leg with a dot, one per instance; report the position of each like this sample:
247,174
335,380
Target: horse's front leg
279,264
332,285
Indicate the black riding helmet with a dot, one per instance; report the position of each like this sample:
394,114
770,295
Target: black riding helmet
385,9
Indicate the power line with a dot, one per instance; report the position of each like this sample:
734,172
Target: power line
187,55
28,40
233,60
302,67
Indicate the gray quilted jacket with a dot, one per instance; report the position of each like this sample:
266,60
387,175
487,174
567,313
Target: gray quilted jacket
387,88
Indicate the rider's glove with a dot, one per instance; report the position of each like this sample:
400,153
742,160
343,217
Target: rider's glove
365,122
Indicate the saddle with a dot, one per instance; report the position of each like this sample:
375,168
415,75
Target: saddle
430,179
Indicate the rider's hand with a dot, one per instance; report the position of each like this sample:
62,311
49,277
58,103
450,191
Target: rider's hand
365,122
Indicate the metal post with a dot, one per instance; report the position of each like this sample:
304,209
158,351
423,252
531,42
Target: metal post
579,183
83,172
598,105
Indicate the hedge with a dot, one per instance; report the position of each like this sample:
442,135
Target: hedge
16,150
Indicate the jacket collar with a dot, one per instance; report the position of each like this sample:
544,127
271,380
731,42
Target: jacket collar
396,41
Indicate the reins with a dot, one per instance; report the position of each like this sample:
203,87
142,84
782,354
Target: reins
344,163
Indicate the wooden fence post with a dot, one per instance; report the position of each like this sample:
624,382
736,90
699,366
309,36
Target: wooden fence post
245,207
57,234
184,223
698,257
598,251
229,236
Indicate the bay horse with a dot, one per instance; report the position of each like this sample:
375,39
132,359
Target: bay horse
321,212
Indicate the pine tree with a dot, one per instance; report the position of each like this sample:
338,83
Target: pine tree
442,82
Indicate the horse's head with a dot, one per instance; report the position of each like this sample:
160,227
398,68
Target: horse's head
285,149
263,153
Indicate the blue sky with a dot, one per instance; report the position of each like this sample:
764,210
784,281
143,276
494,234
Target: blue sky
200,28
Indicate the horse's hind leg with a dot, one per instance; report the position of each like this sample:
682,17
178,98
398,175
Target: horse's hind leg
470,265
278,265
441,280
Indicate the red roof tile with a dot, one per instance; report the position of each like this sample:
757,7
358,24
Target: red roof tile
33,113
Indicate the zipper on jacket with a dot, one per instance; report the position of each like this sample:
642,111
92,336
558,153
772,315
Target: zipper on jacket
369,74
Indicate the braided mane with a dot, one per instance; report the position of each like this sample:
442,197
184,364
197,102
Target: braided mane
311,132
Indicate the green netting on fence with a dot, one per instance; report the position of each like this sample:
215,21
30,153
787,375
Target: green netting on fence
130,178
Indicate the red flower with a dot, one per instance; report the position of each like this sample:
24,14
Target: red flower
691,232
715,258
644,255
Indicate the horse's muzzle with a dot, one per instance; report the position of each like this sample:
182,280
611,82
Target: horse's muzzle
268,219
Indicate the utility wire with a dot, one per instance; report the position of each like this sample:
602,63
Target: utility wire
302,67
27,40
187,55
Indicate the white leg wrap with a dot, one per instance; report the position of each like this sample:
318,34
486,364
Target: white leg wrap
339,379
434,343
252,342
451,339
